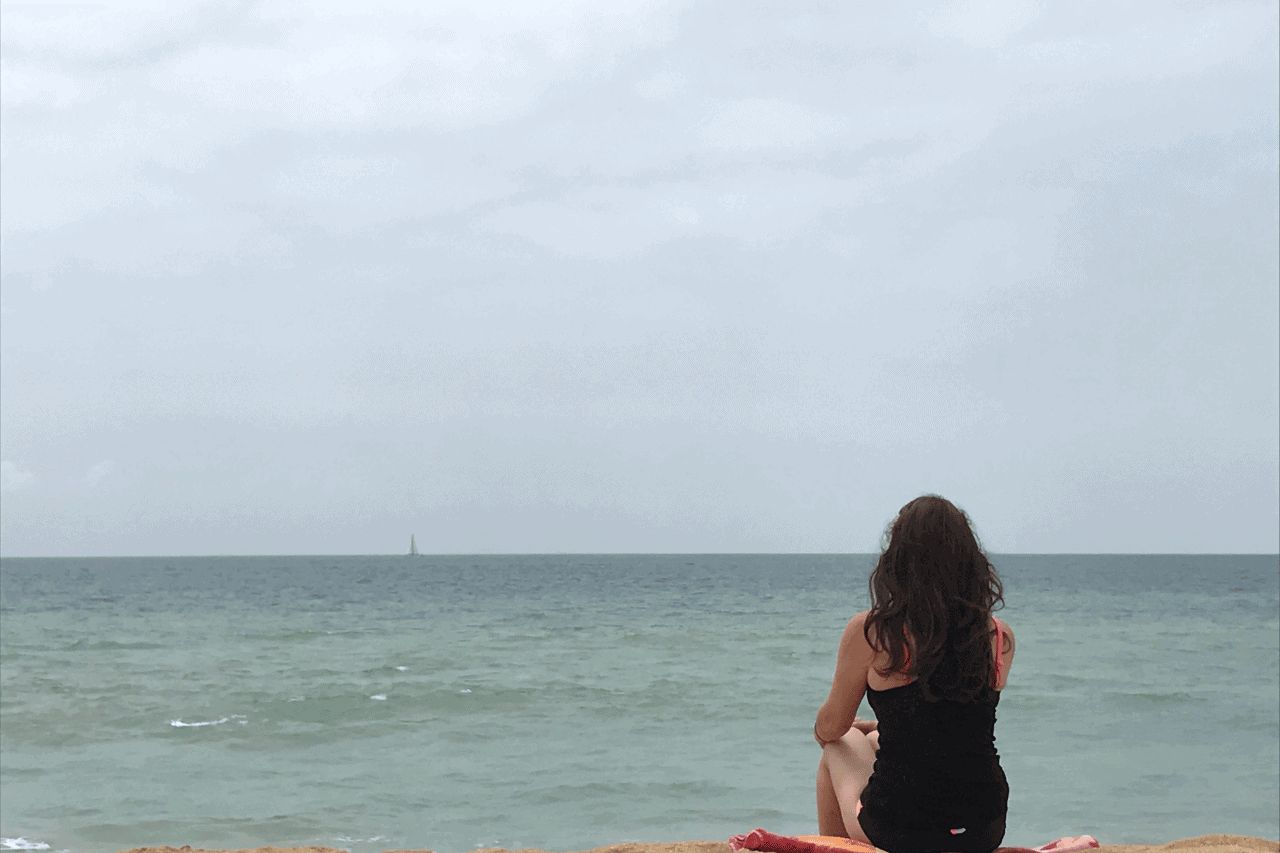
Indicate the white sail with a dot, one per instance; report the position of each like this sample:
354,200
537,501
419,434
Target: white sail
413,546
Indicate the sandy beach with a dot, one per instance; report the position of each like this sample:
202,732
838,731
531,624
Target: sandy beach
1199,844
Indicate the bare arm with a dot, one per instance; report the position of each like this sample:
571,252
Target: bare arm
848,686
1007,651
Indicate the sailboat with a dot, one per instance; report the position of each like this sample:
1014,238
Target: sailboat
413,547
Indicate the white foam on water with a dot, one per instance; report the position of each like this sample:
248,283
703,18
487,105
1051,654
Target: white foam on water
21,844
381,697
178,724
402,668
464,690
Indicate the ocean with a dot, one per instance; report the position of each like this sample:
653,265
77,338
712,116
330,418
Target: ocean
572,701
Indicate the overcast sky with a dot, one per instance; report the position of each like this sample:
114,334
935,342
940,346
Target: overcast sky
637,276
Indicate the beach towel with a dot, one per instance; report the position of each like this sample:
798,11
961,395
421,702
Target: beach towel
767,842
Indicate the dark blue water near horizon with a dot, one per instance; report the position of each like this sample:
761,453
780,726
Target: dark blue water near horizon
257,580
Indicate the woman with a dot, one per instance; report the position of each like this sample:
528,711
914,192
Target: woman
931,660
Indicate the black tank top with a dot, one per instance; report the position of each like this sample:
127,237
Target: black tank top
937,766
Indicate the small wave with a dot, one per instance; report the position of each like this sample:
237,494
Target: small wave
21,844
464,690
178,724
381,697
402,668
108,646
1155,698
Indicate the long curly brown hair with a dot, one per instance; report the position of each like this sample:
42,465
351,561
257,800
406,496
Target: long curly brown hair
934,583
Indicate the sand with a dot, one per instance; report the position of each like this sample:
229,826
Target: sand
1200,844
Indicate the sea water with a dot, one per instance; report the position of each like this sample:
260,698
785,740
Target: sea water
569,702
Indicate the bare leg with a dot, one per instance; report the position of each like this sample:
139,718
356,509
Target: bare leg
830,821
846,766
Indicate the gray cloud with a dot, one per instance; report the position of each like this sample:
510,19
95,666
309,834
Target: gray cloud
669,278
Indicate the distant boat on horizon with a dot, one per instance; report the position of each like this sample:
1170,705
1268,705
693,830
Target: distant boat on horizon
413,547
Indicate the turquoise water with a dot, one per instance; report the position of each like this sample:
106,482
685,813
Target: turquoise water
567,702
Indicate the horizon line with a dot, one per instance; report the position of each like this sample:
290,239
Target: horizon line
647,554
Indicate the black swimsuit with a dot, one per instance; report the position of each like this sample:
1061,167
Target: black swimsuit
937,784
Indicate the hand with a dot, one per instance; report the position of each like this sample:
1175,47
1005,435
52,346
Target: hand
864,726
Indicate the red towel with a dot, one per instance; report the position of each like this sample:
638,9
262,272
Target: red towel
763,840
768,842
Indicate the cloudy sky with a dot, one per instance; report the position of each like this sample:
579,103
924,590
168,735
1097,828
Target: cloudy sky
637,276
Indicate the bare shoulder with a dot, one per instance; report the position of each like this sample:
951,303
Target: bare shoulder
855,630
854,640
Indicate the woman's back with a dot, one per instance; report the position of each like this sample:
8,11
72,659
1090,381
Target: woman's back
1002,650
937,764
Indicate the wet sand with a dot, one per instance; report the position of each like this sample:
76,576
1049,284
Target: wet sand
1199,844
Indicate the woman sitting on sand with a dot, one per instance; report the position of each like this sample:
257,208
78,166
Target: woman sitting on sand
931,660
